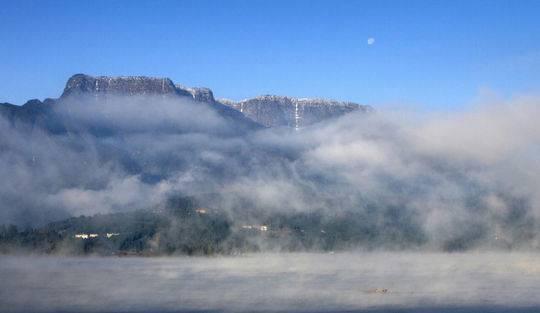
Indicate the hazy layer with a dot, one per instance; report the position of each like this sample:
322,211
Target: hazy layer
272,282
459,180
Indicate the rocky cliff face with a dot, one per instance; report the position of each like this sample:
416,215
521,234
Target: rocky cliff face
133,85
124,85
272,111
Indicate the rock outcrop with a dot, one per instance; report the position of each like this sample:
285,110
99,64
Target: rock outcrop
198,93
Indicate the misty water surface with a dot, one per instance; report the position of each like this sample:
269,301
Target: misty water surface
416,282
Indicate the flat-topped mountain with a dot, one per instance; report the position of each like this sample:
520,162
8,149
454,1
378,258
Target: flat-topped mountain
273,111
81,84
82,88
124,85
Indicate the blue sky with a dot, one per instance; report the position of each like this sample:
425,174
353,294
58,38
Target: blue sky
432,54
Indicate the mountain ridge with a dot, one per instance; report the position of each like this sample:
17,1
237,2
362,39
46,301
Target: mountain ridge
264,110
273,110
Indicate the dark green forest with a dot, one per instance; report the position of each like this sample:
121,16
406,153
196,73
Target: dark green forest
183,228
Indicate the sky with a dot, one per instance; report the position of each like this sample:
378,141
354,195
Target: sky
437,55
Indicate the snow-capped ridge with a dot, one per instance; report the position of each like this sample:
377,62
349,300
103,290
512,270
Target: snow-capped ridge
273,110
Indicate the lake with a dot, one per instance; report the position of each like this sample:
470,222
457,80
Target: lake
290,282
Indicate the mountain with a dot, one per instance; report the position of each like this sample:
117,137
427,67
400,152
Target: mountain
80,84
271,111
85,88
262,111
124,85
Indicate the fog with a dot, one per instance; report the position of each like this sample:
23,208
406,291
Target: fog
471,177
348,282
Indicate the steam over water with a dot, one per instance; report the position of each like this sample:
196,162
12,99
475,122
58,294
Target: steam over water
416,282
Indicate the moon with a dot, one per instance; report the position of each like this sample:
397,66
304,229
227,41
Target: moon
371,41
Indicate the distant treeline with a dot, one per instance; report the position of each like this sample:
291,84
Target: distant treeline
185,229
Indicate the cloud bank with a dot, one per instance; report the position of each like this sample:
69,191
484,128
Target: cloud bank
467,179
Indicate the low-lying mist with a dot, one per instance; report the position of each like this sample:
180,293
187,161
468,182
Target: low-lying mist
349,282
469,179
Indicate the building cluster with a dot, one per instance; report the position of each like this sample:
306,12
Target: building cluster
262,228
87,236
201,210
